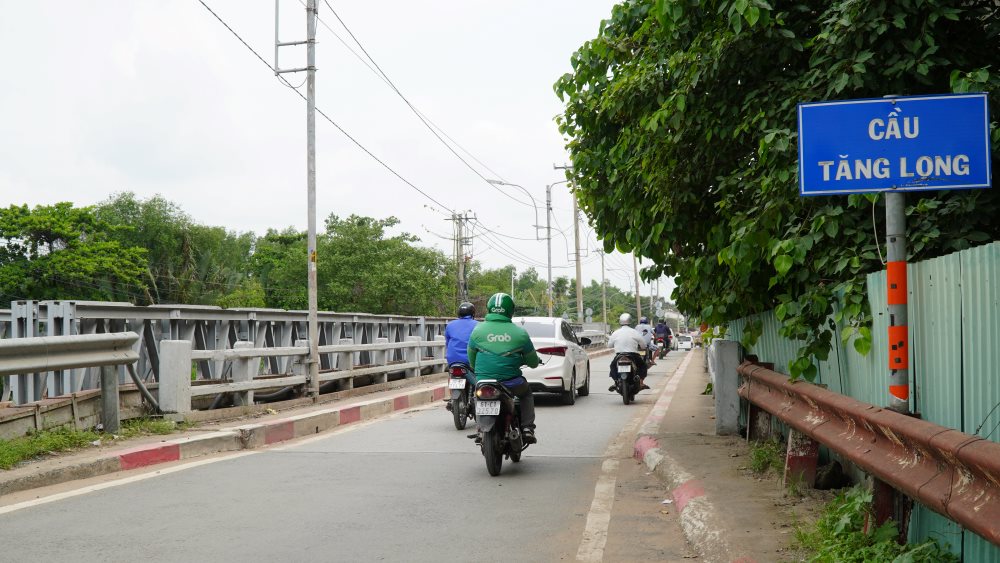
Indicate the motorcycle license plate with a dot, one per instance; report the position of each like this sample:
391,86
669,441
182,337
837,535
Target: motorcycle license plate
456,383
624,368
488,408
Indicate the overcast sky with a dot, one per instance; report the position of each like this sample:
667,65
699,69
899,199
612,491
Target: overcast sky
157,97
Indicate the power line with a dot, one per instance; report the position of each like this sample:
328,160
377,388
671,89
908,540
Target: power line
322,113
432,127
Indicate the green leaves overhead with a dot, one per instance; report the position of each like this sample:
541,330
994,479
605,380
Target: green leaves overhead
681,123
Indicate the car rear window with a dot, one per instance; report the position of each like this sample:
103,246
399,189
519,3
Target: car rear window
538,329
684,338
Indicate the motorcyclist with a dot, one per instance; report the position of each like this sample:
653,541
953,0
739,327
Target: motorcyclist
646,331
456,341
627,342
663,331
497,350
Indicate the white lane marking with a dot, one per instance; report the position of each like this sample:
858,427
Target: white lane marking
124,481
191,465
595,533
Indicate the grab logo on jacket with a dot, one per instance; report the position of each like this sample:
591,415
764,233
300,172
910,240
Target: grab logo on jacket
498,337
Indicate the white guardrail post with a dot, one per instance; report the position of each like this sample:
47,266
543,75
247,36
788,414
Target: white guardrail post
439,351
175,376
300,365
345,362
244,370
412,355
380,358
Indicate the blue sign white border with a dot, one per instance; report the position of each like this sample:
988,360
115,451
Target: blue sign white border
989,162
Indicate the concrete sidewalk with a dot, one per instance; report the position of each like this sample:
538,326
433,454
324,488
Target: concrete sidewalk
726,513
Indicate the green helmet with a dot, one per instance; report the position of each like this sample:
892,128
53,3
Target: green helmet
501,304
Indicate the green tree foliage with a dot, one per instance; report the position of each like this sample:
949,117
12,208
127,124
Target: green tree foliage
368,270
188,262
361,268
65,252
682,128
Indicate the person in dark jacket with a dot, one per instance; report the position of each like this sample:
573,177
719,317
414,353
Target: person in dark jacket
456,338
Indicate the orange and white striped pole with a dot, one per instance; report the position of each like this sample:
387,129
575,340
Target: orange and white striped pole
899,338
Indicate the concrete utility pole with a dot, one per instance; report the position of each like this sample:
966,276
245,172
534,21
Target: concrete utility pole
311,256
638,298
604,295
579,289
311,188
461,284
548,239
579,277
896,282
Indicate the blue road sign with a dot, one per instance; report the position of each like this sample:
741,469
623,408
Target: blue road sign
911,143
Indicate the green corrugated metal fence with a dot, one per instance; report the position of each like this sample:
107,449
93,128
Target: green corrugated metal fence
954,318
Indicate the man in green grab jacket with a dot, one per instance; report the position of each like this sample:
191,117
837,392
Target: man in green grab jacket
497,350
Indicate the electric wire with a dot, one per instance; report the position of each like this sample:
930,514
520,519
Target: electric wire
423,119
322,113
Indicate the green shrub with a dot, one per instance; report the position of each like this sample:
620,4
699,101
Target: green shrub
767,455
35,444
839,537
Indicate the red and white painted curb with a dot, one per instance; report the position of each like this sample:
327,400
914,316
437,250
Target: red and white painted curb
245,437
698,518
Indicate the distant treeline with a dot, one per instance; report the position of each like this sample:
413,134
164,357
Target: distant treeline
149,251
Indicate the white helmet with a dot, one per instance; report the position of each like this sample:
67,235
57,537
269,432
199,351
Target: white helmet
625,319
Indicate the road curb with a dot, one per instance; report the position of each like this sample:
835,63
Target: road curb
698,517
243,437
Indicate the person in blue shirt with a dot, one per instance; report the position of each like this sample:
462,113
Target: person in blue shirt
456,338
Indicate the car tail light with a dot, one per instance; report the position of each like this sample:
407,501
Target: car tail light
553,350
487,392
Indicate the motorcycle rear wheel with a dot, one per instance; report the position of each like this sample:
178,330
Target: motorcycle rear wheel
460,411
626,390
492,451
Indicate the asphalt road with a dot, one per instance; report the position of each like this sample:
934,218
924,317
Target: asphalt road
406,488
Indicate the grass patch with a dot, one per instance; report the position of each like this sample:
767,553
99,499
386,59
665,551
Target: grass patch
135,427
838,536
36,444
767,455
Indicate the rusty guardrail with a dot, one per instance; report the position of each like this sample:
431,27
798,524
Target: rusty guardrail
954,474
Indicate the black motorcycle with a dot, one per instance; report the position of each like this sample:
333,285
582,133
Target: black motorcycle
663,342
498,413
462,400
626,377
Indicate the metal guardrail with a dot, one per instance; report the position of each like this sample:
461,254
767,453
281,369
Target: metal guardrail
46,353
207,327
39,354
176,390
954,474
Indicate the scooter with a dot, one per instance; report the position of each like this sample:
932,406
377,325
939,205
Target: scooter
626,377
462,400
498,413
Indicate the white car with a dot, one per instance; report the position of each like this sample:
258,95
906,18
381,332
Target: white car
565,367
684,342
